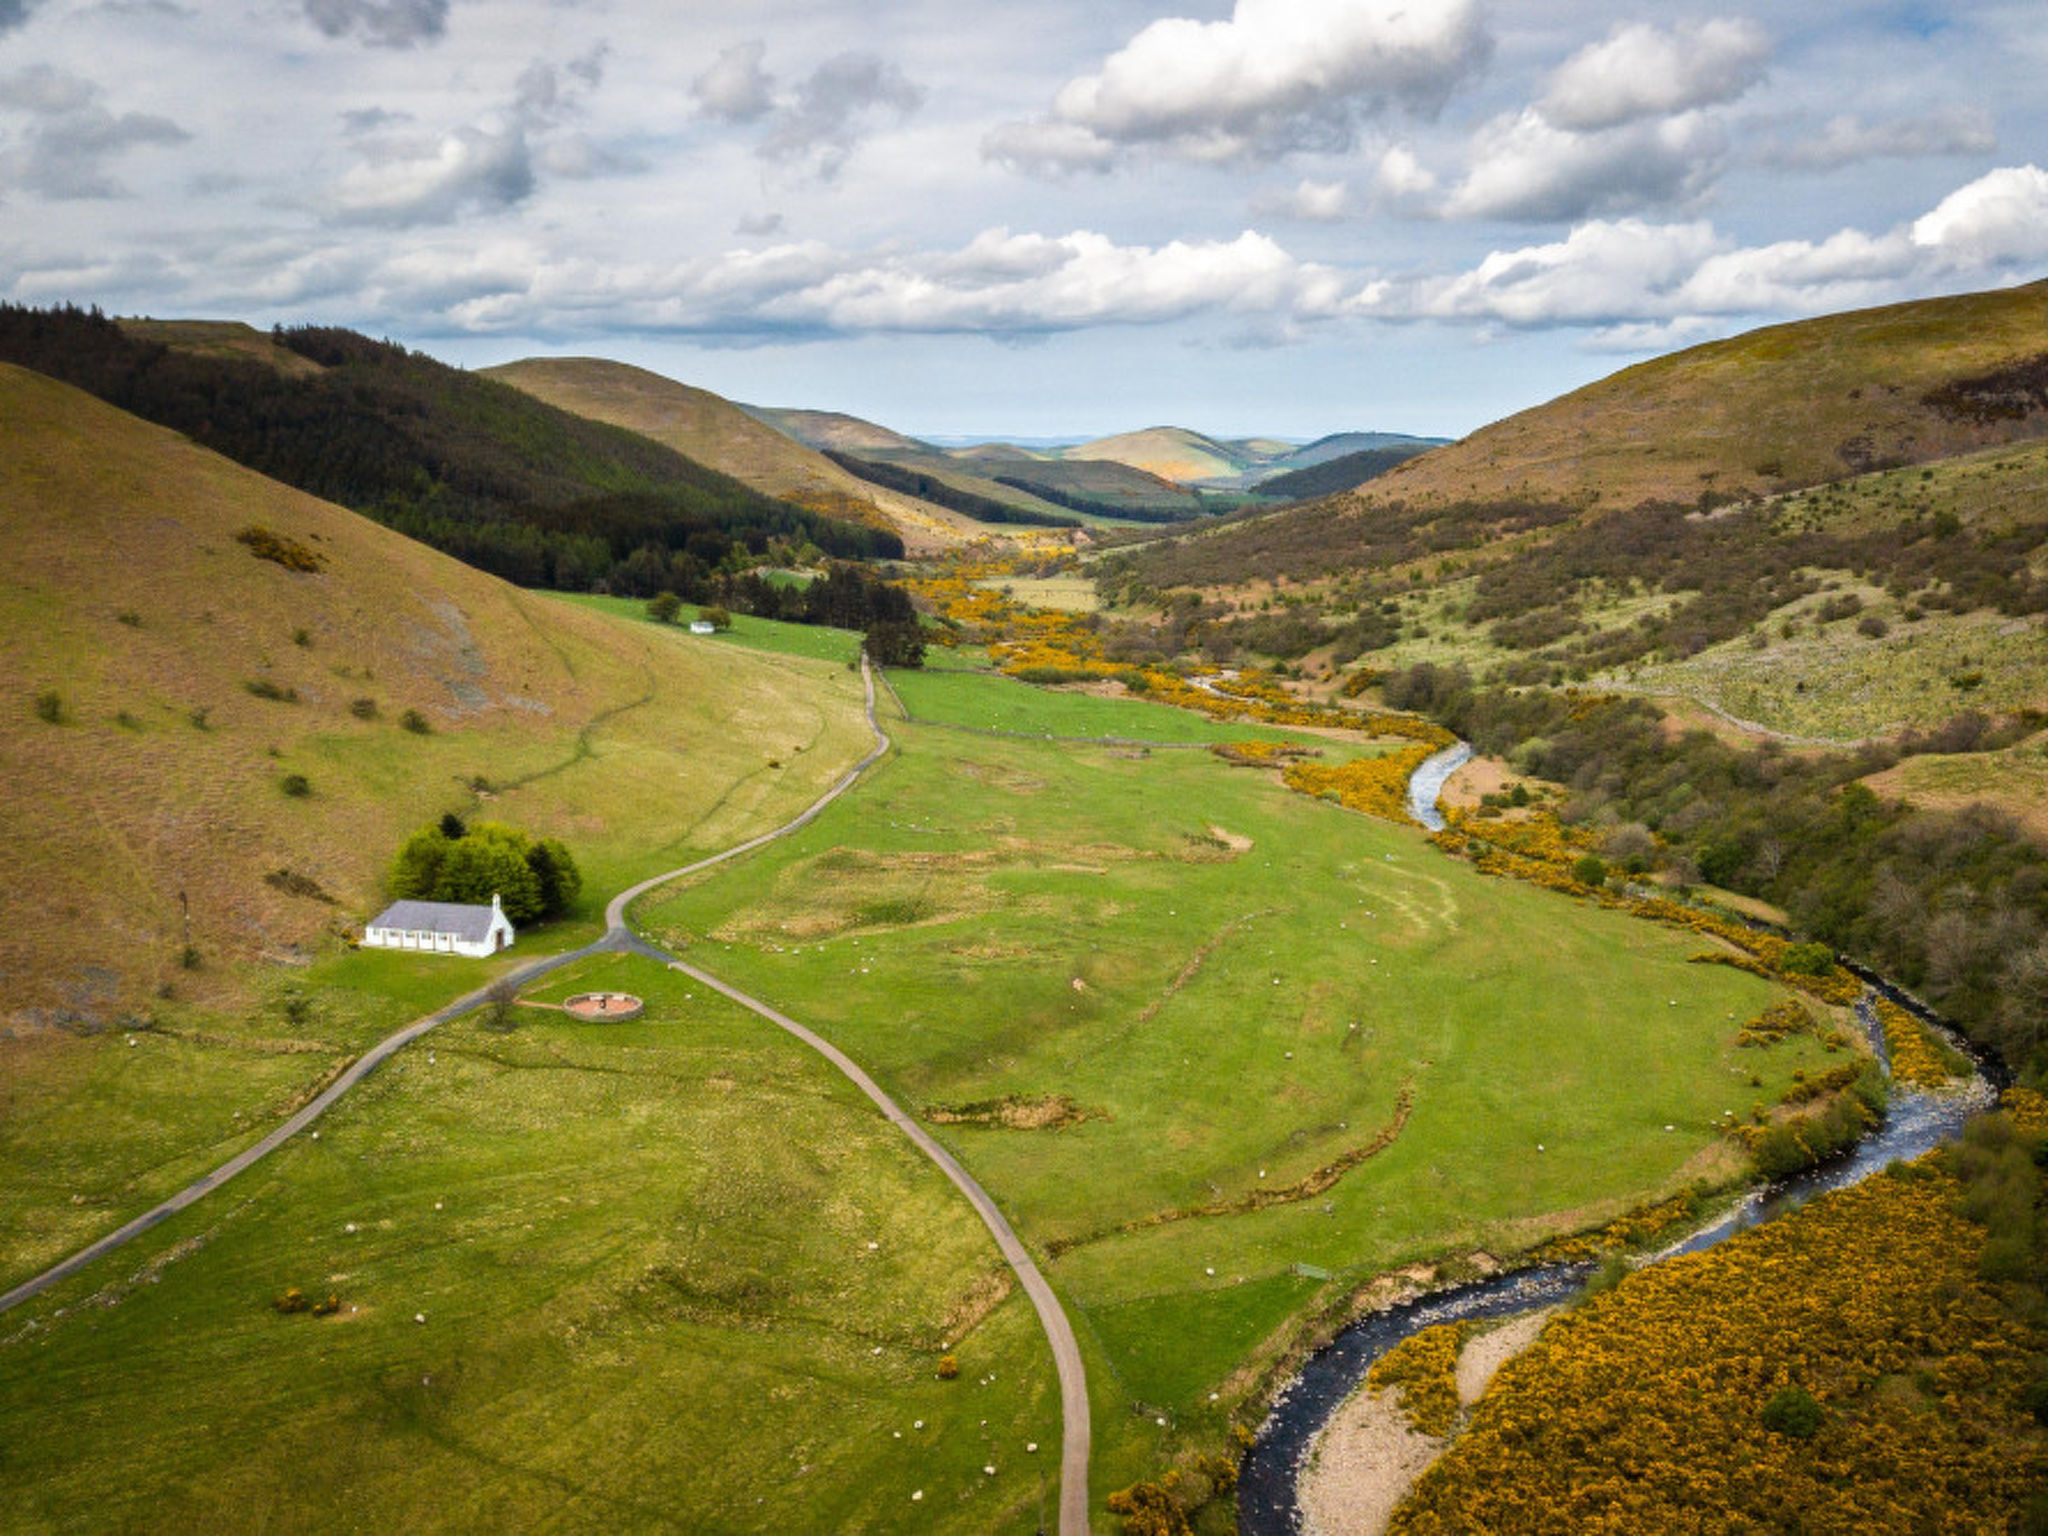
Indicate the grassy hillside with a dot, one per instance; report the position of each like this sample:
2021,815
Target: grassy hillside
714,431
1172,453
835,429
165,680
1785,406
501,480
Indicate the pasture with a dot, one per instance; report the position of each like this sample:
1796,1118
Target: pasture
671,1274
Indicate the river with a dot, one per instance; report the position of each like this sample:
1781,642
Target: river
1268,1479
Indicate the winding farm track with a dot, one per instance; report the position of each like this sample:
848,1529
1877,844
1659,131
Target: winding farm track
619,937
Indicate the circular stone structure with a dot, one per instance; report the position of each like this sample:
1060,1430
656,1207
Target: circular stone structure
605,1007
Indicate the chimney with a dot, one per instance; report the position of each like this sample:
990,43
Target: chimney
495,907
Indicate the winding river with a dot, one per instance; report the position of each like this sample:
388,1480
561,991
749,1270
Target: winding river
1267,1489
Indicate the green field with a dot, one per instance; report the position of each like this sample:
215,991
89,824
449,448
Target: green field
988,702
1232,988
674,1274
814,641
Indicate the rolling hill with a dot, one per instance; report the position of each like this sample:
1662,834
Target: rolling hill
181,636
1771,410
1172,453
474,467
731,439
834,429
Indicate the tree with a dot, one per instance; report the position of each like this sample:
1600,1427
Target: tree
560,880
480,867
894,643
663,607
417,874
719,619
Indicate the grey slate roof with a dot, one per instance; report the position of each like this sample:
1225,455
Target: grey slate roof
471,924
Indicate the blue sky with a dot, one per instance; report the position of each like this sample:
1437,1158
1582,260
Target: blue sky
1066,217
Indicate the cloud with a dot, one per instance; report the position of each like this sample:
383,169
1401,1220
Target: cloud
1002,285
1526,168
2000,217
1640,280
1402,183
1643,72
1849,140
1311,202
362,120
405,179
432,181
736,89
14,13
756,225
381,23
1279,75
822,123
71,136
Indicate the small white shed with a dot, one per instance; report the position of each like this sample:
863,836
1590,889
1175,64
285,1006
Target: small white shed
703,627
441,927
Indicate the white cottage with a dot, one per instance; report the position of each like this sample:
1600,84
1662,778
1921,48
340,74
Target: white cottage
441,927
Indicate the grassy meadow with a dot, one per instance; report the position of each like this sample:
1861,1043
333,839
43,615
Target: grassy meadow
669,1274
186,688
1159,1005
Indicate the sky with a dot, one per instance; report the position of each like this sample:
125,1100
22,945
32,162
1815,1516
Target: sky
1066,217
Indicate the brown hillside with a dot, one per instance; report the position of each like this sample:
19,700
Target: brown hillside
1786,406
131,612
714,431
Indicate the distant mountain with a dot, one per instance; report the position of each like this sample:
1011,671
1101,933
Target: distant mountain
1326,477
833,429
1172,453
729,438
1342,444
1239,463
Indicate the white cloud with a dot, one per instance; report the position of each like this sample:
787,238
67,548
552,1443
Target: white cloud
1849,140
1639,281
1600,273
1642,71
1401,182
1278,75
2000,217
1311,202
1524,167
736,89
1001,285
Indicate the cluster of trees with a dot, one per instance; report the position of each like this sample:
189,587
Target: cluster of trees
536,878
943,493
1343,473
1952,904
1169,504
473,467
845,597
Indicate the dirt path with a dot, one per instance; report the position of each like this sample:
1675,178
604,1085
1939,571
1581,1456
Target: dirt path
619,937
